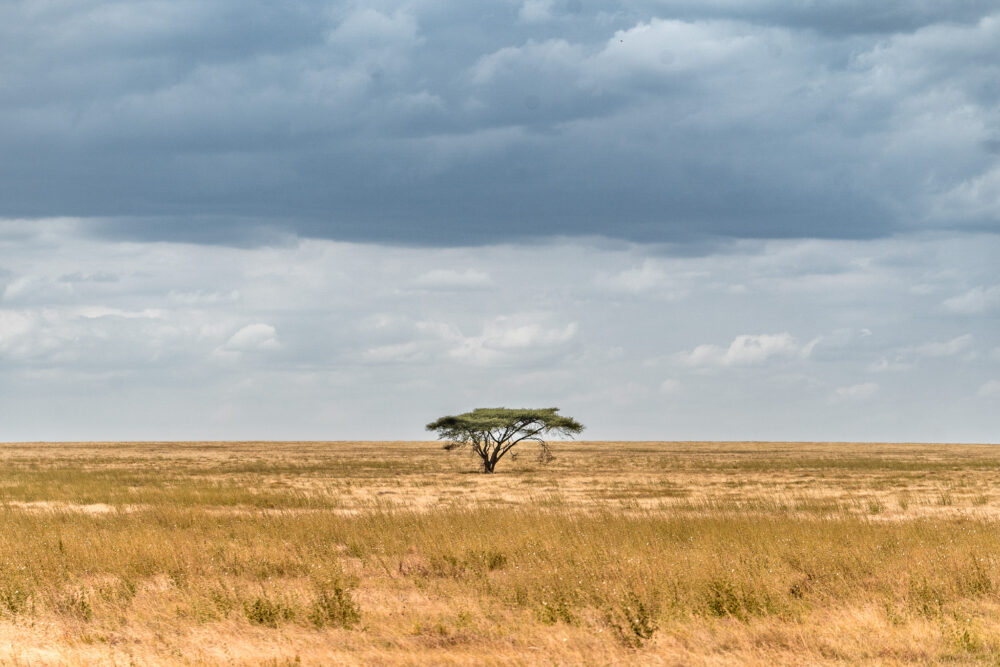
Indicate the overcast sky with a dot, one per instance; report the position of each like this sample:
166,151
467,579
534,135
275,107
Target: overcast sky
674,219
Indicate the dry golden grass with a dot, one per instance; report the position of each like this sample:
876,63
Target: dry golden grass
399,553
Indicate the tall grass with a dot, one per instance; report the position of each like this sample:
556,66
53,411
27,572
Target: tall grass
110,551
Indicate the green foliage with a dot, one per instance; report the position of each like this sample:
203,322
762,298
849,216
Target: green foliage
334,606
558,610
264,611
76,603
633,620
741,599
492,432
489,560
15,600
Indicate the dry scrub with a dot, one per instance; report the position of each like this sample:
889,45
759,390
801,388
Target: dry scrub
398,553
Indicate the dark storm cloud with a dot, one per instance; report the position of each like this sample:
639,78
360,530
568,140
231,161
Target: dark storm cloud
409,122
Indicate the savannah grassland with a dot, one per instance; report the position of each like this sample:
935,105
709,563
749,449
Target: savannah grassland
400,553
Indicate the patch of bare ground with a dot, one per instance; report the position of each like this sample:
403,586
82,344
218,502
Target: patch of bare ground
52,506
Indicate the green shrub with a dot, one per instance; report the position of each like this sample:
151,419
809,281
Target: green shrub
262,611
334,606
633,620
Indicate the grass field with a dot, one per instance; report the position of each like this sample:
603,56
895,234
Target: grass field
400,553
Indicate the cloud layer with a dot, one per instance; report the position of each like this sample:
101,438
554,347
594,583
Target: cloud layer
680,218
409,122
323,340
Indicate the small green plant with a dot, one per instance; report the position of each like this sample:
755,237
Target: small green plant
725,598
555,611
975,579
294,661
892,615
489,560
334,606
633,620
119,590
263,611
77,604
15,601
966,640
224,602
926,599
447,565
722,599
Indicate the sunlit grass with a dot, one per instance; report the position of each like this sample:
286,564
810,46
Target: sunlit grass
399,552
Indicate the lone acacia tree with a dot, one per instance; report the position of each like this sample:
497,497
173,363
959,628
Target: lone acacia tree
492,432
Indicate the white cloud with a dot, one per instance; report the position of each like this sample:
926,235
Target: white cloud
906,358
947,348
257,337
884,365
506,338
384,322
647,277
975,198
15,328
452,279
94,312
67,335
665,47
505,334
254,337
638,279
856,392
17,287
747,350
202,297
977,300
990,388
27,288
535,11
96,277
398,353
501,340
554,57
369,29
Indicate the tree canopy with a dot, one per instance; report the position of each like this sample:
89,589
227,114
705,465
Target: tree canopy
492,432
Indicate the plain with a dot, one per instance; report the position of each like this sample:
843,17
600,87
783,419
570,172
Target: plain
400,553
